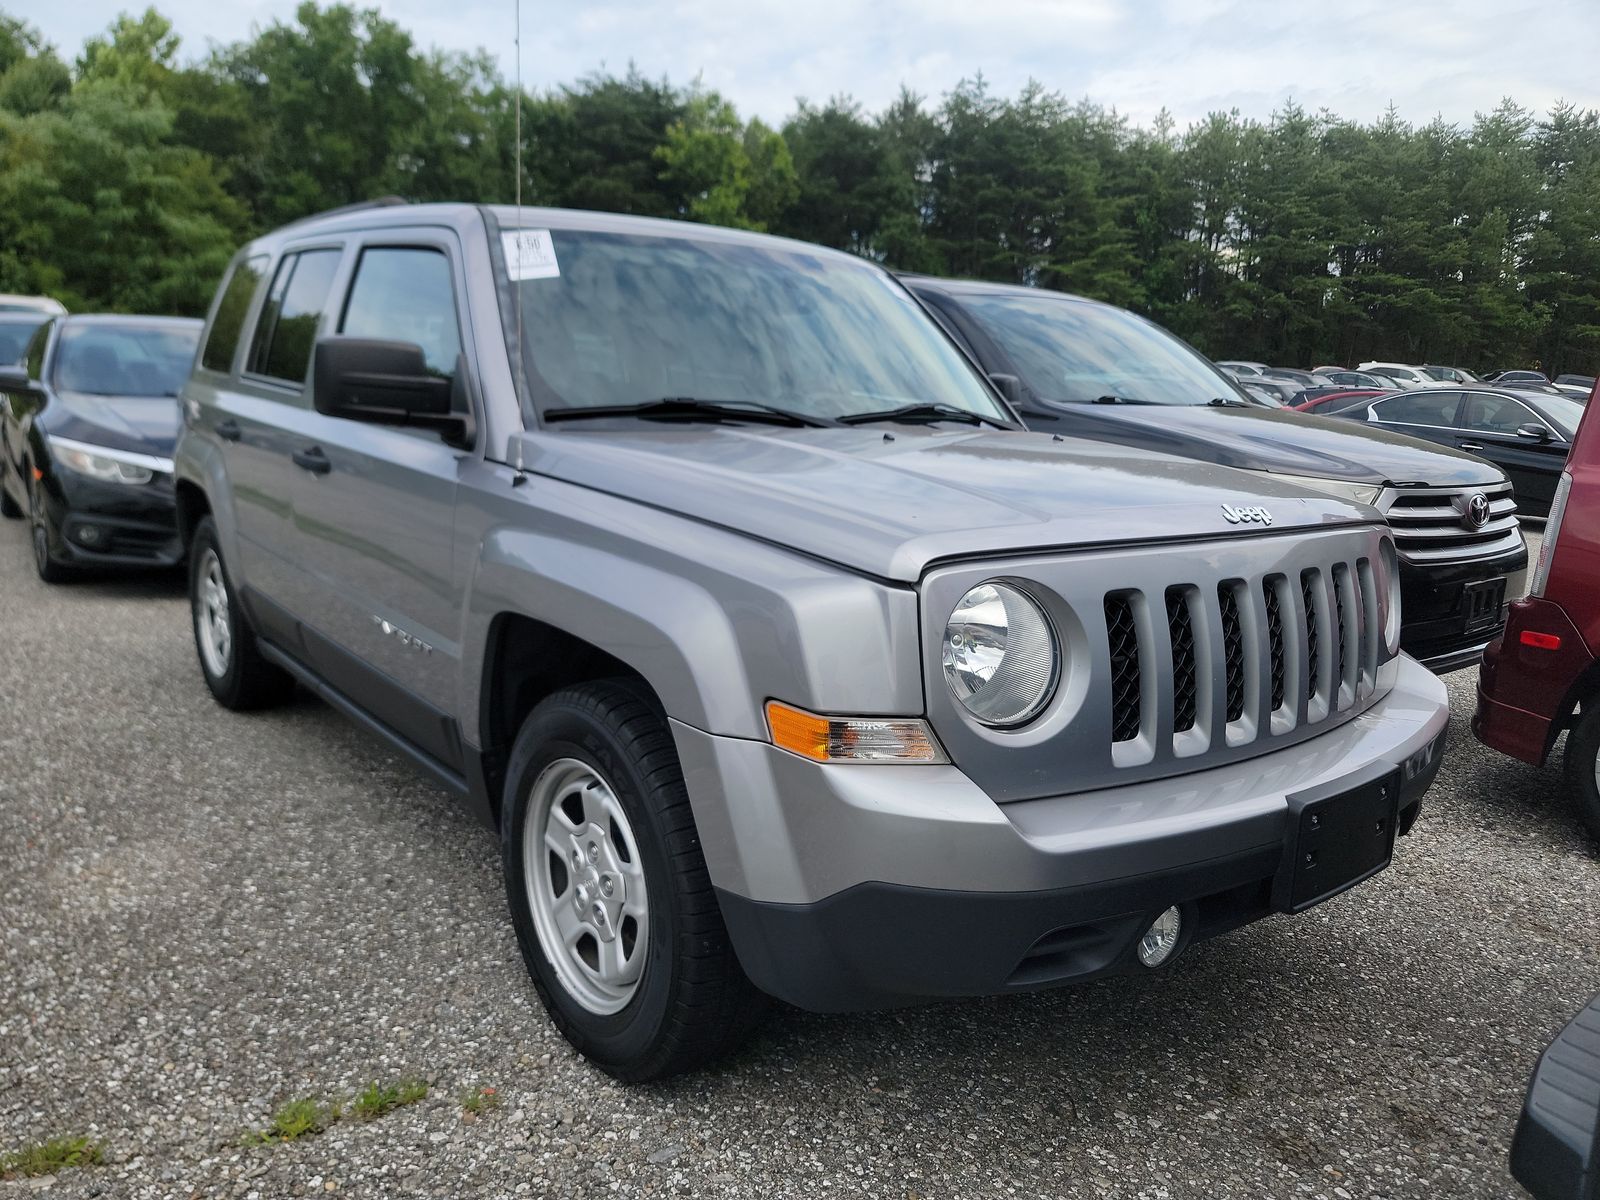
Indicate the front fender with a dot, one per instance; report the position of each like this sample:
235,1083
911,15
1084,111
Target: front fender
715,622
198,461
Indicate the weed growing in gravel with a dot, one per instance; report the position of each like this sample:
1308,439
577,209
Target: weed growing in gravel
479,1100
295,1119
376,1101
49,1157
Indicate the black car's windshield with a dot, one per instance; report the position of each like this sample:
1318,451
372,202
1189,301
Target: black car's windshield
622,319
1074,351
126,359
14,335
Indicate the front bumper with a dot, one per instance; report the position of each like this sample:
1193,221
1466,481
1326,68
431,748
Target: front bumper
1438,628
859,887
93,524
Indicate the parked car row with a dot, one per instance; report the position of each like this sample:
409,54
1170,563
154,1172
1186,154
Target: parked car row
804,631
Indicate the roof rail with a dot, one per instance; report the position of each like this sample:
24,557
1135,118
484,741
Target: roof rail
359,206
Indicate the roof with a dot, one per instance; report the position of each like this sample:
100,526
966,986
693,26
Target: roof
11,302
131,319
391,213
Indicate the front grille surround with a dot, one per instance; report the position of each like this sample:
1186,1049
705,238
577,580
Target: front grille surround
1301,672
1428,526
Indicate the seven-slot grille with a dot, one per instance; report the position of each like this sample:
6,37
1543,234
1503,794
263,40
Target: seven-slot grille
1247,659
1430,525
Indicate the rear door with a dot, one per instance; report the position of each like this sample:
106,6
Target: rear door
374,520
1489,427
252,394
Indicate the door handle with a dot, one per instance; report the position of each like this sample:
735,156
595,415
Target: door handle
228,430
312,459
1471,446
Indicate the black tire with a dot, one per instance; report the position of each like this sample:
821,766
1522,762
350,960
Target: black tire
692,1002
245,680
1583,766
39,536
9,508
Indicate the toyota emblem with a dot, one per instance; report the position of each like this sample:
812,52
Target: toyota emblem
1477,513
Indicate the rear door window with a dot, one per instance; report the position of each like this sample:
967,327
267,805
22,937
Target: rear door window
287,327
1436,408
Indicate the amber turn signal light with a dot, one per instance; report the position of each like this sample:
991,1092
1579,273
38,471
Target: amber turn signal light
852,739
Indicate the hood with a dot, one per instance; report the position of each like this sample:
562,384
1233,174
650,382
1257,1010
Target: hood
142,424
1261,439
891,507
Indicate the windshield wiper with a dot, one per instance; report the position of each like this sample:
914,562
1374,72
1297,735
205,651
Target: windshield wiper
1224,402
689,408
1119,400
922,412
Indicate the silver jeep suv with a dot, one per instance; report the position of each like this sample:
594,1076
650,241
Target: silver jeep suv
706,568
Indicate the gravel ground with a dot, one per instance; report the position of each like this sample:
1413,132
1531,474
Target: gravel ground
203,915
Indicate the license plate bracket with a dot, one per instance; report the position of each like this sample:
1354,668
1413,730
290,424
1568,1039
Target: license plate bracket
1481,604
1337,837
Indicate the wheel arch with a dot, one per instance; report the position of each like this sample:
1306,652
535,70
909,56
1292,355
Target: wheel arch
193,505
525,661
1583,694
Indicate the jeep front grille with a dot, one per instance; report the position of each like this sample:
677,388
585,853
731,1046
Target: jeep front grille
1249,650
1430,525
1123,637
1185,695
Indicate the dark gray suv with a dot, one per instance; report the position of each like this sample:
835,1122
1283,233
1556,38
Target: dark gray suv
707,569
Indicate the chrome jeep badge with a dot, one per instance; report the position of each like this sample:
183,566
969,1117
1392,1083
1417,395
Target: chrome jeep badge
1247,514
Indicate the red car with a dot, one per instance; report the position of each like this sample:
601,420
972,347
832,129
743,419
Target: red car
1328,403
1543,676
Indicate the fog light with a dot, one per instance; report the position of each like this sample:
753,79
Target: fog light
1161,939
89,535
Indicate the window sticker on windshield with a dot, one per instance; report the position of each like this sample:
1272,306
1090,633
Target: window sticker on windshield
530,254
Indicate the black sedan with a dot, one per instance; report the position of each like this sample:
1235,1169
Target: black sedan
1085,369
88,421
1526,434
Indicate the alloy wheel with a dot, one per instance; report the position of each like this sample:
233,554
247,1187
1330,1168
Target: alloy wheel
39,529
586,885
211,623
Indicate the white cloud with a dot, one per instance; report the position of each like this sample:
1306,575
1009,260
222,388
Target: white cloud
1354,57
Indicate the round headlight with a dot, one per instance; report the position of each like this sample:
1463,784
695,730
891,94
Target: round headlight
1000,655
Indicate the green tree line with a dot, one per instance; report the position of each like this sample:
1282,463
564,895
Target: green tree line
129,174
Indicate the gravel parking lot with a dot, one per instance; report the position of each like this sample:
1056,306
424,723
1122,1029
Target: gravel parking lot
204,915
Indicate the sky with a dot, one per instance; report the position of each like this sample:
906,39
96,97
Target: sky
1354,57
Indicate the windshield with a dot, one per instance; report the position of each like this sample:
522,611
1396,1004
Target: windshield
1074,351
14,335
126,359
624,319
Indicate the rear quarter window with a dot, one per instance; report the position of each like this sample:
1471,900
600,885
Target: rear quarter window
223,340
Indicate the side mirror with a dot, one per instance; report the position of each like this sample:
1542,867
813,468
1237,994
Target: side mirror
385,383
14,378
1533,432
1010,386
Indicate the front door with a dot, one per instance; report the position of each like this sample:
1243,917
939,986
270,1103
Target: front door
1489,428
374,519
